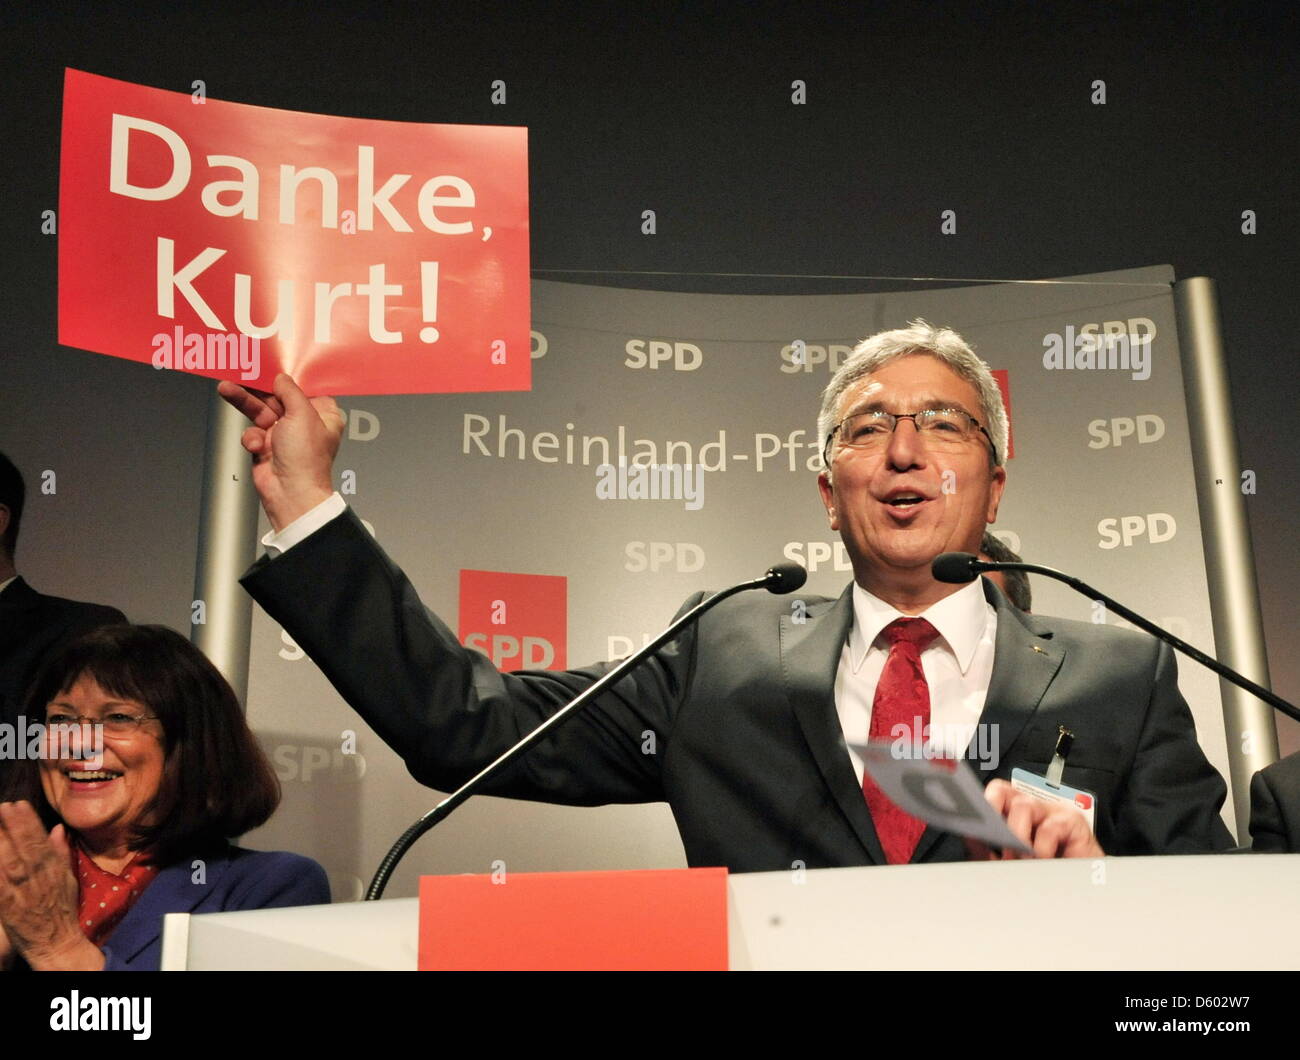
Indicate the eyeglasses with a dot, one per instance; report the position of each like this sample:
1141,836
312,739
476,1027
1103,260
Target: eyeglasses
939,429
118,725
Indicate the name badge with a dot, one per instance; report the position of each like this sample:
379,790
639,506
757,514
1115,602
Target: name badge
1032,784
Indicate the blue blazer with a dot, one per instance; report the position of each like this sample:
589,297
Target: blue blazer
234,879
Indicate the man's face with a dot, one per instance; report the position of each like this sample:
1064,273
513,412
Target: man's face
887,535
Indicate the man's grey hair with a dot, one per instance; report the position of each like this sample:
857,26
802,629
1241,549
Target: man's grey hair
918,338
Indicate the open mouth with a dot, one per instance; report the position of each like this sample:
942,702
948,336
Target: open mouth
904,501
91,776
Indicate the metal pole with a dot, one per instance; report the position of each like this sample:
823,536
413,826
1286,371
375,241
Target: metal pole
1229,561
227,545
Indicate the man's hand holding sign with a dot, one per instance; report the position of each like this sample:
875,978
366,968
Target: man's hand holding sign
293,440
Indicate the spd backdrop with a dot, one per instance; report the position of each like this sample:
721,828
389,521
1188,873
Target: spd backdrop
487,498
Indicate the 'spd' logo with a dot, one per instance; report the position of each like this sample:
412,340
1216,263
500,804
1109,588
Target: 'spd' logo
519,621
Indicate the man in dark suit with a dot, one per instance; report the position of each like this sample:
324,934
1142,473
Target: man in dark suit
757,710
31,624
1275,807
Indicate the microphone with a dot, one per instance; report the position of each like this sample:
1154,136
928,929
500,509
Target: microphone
784,578
956,568
960,567
781,578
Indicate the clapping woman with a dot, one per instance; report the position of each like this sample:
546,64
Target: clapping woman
96,847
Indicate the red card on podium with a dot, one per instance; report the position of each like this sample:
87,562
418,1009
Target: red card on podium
651,920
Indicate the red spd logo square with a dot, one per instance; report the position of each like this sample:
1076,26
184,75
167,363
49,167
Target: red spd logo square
519,621
1083,801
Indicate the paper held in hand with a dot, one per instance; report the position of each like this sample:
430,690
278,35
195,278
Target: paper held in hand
942,792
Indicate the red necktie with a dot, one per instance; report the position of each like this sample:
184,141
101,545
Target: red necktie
901,709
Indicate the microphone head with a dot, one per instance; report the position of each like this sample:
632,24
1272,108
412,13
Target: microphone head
784,578
957,568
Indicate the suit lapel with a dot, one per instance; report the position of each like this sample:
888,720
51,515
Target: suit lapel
172,891
1024,664
810,657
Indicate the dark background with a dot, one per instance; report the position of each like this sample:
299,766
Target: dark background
685,109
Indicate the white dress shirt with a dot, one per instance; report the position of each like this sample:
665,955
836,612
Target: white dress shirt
306,524
957,665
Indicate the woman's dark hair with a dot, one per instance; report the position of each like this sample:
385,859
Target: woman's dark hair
216,781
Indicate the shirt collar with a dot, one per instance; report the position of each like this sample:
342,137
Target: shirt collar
960,618
7,582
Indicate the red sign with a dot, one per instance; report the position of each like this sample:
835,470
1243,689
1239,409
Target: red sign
651,920
1003,378
360,256
519,621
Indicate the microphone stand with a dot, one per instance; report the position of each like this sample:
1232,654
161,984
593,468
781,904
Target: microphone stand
781,579
978,565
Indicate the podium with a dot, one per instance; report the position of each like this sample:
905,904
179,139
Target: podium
1233,912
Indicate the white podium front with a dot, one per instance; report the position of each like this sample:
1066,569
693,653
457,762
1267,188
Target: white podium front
1233,912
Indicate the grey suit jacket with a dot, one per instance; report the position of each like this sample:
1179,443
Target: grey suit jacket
747,749
1275,807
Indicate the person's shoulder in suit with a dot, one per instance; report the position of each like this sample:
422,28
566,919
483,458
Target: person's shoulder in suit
63,615
261,879
759,604
750,624
230,879
1072,630
1113,647
80,615
1275,807
32,627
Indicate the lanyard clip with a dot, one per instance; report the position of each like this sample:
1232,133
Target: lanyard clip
1064,741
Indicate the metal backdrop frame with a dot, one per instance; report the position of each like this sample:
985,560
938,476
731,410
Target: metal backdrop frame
1248,722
